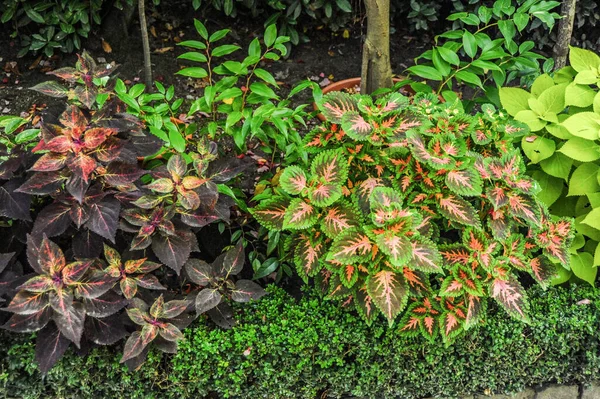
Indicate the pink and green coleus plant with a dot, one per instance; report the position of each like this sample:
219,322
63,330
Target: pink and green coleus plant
418,210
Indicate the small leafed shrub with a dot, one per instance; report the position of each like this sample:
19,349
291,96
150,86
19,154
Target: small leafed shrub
563,114
418,210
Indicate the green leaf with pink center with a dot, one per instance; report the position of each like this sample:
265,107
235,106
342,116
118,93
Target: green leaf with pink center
300,215
464,182
293,180
330,167
389,293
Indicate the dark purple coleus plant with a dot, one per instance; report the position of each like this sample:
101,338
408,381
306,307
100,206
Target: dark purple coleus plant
64,294
215,284
160,324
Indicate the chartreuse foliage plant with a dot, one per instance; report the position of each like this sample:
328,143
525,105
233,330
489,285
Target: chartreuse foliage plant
417,210
489,47
563,114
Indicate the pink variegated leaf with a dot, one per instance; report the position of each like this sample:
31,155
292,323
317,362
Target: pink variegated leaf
293,180
330,167
389,293
525,207
350,247
458,210
339,217
542,270
511,296
323,195
300,215
50,162
349,275
82,165
397,248
356,127
364,305
451,325
271,213
335,104
364,190
309,251
464,182
498,196
392,102
425,256
475,309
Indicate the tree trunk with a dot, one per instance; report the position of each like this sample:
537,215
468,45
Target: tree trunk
565,31
376,67
145,45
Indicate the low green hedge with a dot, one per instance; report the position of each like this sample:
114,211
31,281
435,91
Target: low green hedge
286,348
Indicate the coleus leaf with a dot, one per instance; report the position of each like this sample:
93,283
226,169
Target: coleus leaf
77,187
271,213
364,305
177,166
28,323
542,270
207,299
451,325
323,195
104,218
94,285
50,162
50,346
53,220
299,215
199,271
70,322
464,182
511,296
335,104
107,331
133,346
246,290
27,303
425,256
223,170
356,126
458,210
233,261
171,333
51,258
293,180
104,306
14,204
172,251
307,254
389,293
525,207
420,317
339,217
397,248
121,174
475,310
350,247
330,167
82,165
42,183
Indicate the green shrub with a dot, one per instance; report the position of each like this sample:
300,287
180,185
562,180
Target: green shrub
295,349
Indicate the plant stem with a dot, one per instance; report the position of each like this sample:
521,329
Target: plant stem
145,44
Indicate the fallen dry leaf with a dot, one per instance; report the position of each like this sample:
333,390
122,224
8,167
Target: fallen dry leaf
153,31
35,63
106,47
163,50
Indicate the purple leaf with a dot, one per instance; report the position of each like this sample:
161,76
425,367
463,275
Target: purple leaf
104,306
222,315
87,244
225,169
120,173
76,186
70,322
104,218
50,347
246,290
53,220
172,251
28,323
207,299
105,331
42,183
13,204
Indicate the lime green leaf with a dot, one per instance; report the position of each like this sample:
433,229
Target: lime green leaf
541,83
551,187
449,55
579,95
584,124
194,72
558,165
592,219
581,150
582,265
469,77
531,119
514,99
538,148
584,180
554,98
581,59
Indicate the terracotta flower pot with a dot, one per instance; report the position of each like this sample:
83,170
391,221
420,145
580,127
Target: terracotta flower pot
350,83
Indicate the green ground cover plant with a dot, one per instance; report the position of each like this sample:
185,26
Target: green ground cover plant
281,349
